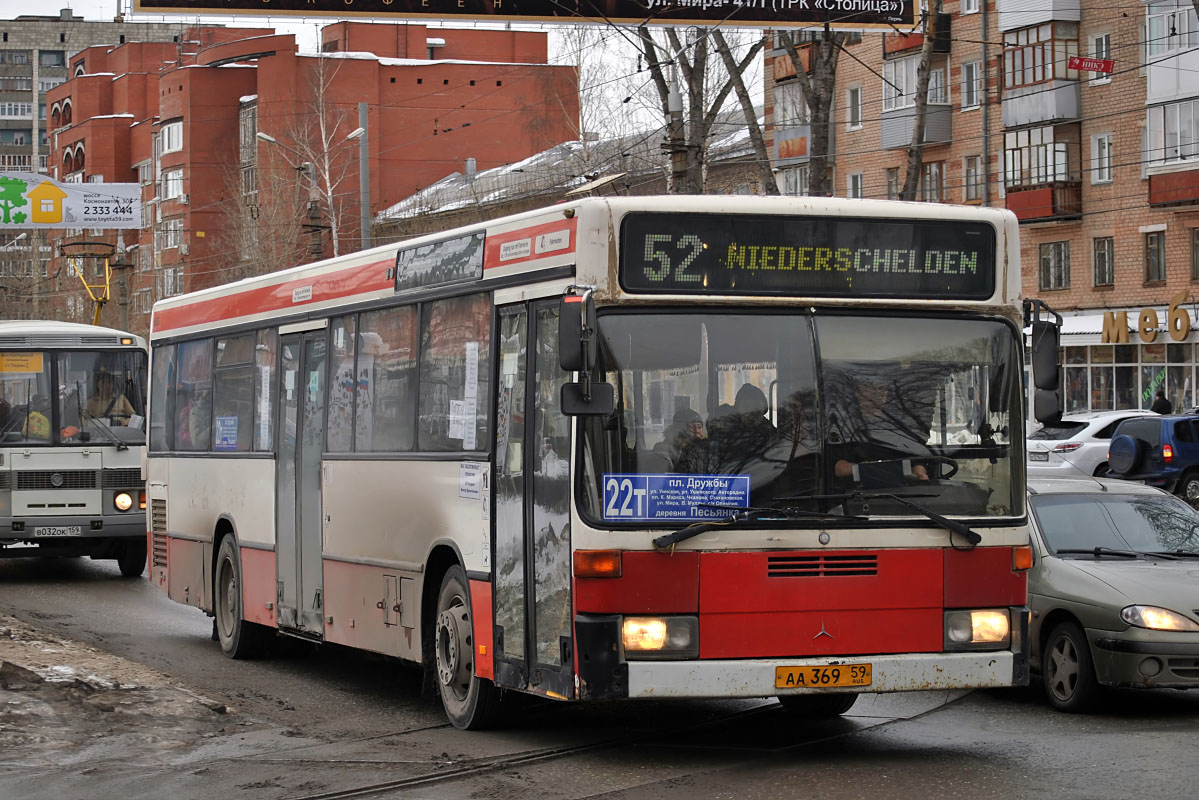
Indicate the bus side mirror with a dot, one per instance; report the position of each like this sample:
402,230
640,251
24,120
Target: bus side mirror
578,347
576,332
1047,401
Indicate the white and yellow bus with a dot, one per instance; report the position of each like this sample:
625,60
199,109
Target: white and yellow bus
72,438
617,448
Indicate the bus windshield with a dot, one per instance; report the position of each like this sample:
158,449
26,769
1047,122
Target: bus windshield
58,397
821,412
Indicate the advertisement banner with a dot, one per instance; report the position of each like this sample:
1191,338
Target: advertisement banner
838,14
29,200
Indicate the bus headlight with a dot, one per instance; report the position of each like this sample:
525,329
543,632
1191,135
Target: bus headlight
977,629
660,637
122,501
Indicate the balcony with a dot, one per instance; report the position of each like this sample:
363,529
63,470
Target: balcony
1056,200
1174,188
783,66
1051,101
1015,14
897,126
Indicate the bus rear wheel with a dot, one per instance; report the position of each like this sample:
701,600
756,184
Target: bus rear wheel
470,702
239,639
132,558
818,706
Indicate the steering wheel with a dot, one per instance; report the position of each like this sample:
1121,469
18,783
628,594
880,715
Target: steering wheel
946,460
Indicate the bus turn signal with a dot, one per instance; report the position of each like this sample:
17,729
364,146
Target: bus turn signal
597,563
1021,558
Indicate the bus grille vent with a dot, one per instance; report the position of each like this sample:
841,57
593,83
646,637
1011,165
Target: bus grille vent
5,481
158,533
127,478
821,566
51,479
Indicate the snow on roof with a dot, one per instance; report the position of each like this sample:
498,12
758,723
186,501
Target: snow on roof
112,116
357,55
247,98
566,166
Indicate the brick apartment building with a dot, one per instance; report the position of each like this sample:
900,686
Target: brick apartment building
34,55
1101,169
248,151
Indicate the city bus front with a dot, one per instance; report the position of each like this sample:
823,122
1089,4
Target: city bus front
800,499
72,434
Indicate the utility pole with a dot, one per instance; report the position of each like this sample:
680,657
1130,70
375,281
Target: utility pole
122,266
364,176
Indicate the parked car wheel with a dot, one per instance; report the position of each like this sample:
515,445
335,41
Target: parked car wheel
1188,487
1101,470
1069,673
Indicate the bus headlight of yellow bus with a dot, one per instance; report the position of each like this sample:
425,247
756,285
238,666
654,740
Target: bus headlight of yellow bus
122,501
977,629
660,637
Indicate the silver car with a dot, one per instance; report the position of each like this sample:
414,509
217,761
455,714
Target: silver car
1076,446
1114,589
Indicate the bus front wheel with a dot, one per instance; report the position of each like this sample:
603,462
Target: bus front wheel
132,558
239,639
470,702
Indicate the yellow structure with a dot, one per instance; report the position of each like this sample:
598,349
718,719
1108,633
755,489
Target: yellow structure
46,199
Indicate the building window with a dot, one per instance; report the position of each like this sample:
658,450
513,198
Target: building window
972,179
853,105
1101,158
969,6
1155,256
1195,254
171,184
1055,266
932,182
51,58
1032,158
248,128
1173,133
1101,47
795,180
854,185
972,84
899,84
249,182
1040,53
170,282
894,184
171,136
789,106
1172,26
145,173
168,234
1103,251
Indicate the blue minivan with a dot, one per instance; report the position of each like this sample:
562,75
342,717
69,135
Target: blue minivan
1160,451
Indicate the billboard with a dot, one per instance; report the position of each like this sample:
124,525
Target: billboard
840,14
29,200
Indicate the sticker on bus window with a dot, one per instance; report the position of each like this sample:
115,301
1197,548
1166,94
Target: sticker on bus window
637,497
225,437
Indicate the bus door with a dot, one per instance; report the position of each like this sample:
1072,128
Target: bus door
298,482
532,563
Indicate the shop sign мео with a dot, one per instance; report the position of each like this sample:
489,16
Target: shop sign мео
1178,323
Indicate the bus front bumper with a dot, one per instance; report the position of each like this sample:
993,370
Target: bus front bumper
66,529
908,672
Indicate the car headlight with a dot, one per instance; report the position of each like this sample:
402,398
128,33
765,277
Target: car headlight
122,501
1157,619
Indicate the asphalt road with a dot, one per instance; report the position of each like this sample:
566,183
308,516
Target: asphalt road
332,723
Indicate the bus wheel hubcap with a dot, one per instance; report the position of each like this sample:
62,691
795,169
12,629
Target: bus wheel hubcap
447,648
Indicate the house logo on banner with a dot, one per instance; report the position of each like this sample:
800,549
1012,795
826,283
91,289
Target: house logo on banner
29,200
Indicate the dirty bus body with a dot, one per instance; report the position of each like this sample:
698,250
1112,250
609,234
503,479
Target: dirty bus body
780,463
72,437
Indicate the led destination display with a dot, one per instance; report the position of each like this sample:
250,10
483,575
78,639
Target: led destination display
807,256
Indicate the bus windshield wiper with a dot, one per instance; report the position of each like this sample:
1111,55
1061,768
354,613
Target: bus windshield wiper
1174,553
744,515
1097,552
951,525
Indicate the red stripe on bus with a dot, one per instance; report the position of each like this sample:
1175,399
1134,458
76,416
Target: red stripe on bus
333,285
494,246
649,583
983,578
480,608
258,586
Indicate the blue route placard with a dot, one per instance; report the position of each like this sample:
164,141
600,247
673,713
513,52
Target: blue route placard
636,497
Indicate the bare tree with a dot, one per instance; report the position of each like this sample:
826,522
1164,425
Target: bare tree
911,181
818,91
765,173
688,135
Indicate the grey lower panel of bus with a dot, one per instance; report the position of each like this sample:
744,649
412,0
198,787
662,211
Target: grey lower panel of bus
113,526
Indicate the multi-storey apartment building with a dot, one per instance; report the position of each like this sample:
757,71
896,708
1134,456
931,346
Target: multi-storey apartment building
249,152
34,55
1101,165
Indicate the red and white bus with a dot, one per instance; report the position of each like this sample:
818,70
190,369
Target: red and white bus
787,459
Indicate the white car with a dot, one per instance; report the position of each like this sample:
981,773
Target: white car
1077,445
